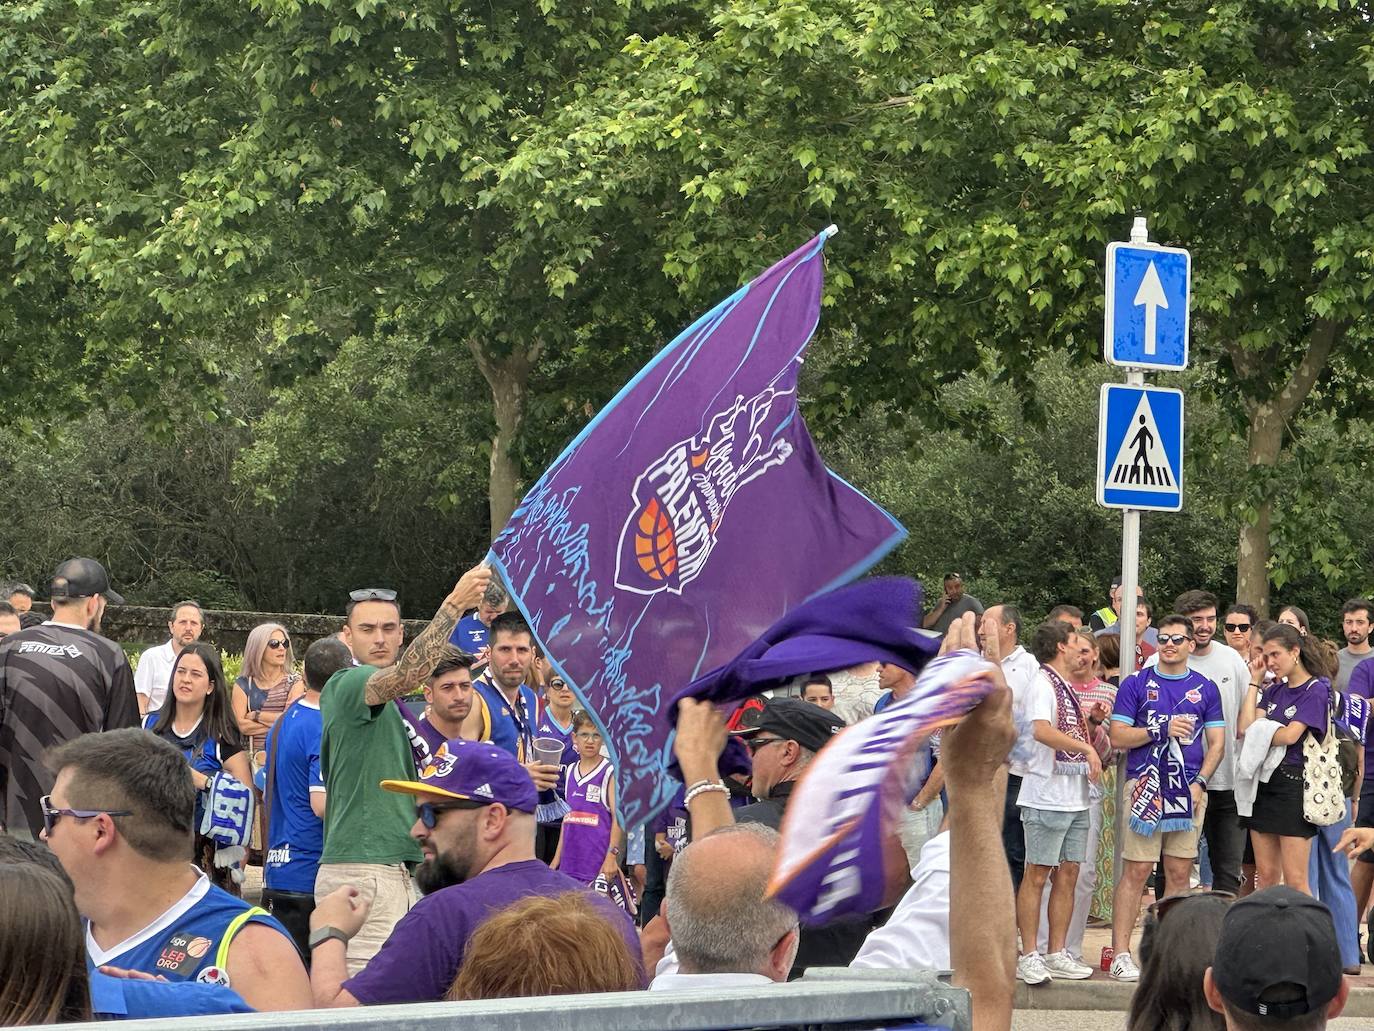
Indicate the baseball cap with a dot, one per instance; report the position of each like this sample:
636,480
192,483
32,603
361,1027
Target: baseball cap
807,724
82,578
473,771
1277,955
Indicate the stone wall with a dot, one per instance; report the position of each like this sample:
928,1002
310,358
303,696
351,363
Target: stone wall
227,629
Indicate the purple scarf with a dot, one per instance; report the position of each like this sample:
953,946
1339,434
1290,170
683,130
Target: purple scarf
1069,717
1161,799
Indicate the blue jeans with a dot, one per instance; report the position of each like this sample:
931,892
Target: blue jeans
1328,874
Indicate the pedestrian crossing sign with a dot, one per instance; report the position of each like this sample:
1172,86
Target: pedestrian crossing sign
1140,448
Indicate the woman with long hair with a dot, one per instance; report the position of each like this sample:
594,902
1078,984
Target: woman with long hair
43,976
1298,699
267,685
196,717
1177,945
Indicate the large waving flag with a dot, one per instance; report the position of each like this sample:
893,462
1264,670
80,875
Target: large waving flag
689,515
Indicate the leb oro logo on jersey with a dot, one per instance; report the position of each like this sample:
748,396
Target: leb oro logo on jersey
681,498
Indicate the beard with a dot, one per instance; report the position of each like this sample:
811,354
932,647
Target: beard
443,871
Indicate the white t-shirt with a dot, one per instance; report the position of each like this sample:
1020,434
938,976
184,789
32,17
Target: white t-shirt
1020,670
1223,666
916,936
1042,788
154,674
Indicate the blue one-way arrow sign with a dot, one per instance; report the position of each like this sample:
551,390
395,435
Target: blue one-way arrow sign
1140,448
1148,291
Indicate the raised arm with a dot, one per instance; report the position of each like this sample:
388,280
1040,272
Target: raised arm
700,740
418,661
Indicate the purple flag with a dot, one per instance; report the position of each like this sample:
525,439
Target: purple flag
689,515
850,798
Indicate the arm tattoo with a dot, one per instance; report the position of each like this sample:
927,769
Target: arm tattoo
416,662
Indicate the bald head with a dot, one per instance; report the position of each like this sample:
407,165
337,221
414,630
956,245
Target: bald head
716,911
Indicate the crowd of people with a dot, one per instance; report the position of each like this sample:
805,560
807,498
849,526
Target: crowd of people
437,820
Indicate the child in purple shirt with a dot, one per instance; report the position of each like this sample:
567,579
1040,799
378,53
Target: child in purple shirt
592,838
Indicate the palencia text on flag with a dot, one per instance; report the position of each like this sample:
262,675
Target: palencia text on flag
684,519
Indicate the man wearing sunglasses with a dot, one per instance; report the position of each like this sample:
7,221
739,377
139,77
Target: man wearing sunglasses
1170,718
473,808
364,741
1229,670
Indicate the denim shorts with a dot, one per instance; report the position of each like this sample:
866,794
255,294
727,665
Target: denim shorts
1054,837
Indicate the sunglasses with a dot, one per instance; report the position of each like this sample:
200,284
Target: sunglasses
1174,638
1239,628
51,813
428,812
372,594
1158,909
756,744
276,643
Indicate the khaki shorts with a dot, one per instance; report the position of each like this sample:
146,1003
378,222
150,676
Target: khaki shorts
1136,848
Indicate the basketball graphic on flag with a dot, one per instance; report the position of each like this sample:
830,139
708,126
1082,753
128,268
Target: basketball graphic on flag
655,547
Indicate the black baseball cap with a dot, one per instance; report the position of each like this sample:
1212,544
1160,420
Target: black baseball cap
1277,955
82,578
807,724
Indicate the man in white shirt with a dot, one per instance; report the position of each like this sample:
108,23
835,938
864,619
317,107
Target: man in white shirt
1228,669
154,672
725,932
1054,807
1001,624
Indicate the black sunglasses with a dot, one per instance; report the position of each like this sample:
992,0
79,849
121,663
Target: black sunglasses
1174,638
276,642
428,812
758,742
51,813
372,594
1239,628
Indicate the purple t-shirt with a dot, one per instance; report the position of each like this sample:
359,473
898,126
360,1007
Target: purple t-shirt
1149,696
421,958
1305,704
587,827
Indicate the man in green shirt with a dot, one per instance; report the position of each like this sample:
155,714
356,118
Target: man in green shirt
367,839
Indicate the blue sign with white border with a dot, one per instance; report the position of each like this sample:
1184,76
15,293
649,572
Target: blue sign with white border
1140,448
1148,294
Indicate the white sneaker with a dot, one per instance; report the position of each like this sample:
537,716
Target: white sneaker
1061,964
1124,968
1031,969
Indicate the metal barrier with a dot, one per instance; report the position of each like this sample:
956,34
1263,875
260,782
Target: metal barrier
833,998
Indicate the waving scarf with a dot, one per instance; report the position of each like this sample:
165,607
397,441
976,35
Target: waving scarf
228,821
1069,717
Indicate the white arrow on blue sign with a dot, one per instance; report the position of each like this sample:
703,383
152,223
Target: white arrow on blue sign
1140,448
1148,294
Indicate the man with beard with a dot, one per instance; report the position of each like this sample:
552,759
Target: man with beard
475,824
154,673
508,708
1355,625
58,680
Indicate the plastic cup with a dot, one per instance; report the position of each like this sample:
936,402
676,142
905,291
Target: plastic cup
548,750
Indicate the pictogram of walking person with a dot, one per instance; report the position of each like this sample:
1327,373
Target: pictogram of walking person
1140,464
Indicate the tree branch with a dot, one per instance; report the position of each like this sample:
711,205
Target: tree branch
1320,341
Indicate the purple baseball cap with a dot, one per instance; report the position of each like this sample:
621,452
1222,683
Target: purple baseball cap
473,771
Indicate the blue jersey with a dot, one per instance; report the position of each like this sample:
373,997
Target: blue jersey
1150,697
295,835
470,635
189,942
512,728
205,754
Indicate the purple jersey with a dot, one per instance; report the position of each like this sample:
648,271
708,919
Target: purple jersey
587,828
1147,697
424,737
547,726
1306,704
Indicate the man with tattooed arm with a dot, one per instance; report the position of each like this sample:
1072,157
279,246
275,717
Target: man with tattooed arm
367,840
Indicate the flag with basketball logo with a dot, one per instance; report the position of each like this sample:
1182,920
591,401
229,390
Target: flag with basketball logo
689,515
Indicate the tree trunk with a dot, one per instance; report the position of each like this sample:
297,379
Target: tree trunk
1268,419
508,376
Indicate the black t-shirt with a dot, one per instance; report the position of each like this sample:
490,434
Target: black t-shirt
57,682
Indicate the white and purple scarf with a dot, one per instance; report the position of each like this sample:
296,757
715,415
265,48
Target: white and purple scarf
1161,799
1069,720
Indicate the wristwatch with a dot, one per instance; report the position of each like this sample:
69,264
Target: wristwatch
322,934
